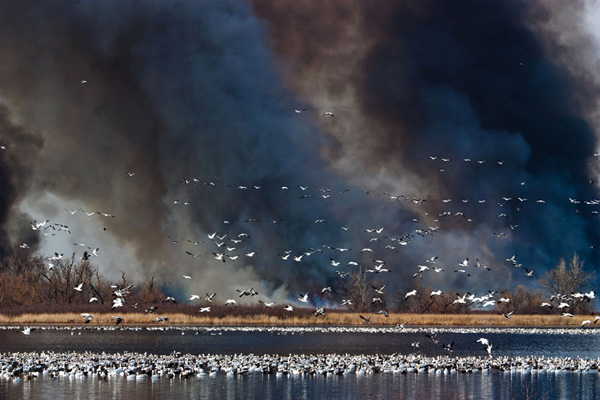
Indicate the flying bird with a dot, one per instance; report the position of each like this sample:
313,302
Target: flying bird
211,296
507,316
380,289
433,337
303,297
366,319
449,346
266,304
247,292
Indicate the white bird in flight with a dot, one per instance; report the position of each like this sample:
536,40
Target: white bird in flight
304,297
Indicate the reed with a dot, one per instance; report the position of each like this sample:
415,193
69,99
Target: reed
301,319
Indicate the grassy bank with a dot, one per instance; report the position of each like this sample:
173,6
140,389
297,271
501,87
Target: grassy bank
331,318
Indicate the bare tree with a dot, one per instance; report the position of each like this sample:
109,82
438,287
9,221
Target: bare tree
563,280
62,281
566,280
444,303
420,302
525,301
150,293
100,287
358,290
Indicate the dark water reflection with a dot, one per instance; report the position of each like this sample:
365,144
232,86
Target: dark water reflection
307,342
379,386
477,385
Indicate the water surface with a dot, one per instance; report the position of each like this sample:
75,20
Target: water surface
564,385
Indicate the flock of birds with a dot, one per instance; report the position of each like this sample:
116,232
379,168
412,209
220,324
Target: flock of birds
234,246
228,244
138,367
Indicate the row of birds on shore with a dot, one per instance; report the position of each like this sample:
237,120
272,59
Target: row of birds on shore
140,367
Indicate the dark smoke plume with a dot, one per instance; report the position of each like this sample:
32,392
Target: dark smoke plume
196,99
456,80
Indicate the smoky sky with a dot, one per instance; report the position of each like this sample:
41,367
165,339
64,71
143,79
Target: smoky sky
466,81
178,119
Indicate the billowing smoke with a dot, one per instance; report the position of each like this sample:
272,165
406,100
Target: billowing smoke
15,175
178,120
478,86
131,101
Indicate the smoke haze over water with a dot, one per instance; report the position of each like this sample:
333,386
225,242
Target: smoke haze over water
198,99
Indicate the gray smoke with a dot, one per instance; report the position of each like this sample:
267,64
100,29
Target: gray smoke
198,98
461,80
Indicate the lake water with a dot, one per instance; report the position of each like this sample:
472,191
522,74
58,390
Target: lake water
477,385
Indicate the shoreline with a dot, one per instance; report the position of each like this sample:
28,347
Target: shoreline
331,319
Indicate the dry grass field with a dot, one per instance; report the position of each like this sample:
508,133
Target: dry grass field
303,319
